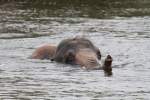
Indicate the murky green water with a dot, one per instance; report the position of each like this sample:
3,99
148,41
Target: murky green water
127,39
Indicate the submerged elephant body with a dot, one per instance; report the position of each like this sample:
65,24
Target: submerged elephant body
46,51
76,50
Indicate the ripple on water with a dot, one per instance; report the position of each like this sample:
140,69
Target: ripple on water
124,39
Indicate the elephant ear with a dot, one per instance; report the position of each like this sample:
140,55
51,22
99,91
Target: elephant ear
87,59
46,51
69,57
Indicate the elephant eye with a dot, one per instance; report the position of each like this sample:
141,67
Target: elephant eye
99,55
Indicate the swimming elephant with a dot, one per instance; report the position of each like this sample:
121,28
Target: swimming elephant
75,51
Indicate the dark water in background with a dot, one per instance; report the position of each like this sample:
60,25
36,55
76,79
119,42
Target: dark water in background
26,25
28,9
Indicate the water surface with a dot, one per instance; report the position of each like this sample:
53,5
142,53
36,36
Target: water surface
126,39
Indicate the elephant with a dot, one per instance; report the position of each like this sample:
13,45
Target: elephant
75,51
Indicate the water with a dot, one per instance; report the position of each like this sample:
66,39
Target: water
21,77
126,39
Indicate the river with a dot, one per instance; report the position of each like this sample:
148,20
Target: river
127,39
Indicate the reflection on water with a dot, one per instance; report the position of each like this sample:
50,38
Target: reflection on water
119,27
126,39
77,8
